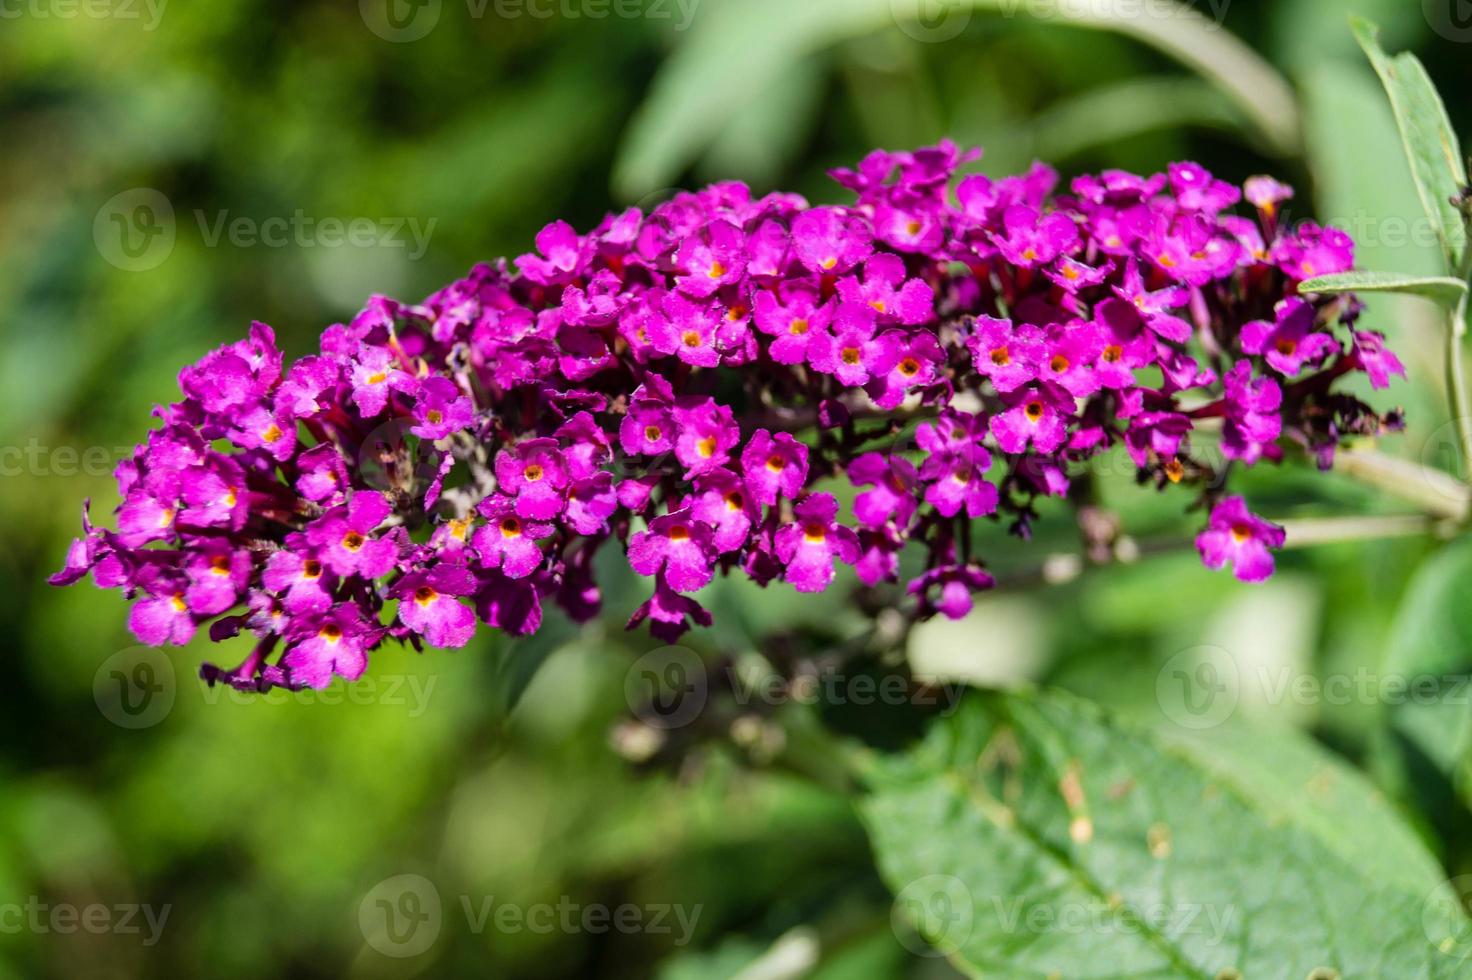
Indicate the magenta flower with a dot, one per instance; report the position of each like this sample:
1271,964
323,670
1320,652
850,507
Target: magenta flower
889,293
954,467
1068,360
507,541
535,473
1237,537
707,433
344,537
562,249
711,260
688,331
724,504
1378,362
440,409
1037,415
677,545
830,240
774,466
374,375
1008,357
1032,239
901,363
336,644
164,616
810,546
1252,420
849,351
893,498
954,585
1290,342
670,614
792,319
429,605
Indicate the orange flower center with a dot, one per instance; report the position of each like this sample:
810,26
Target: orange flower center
814,533
850,355
1034,411
533,473
273,433
706,447
909,367
352,541
690,338
1113,354
776,463
424,595
679,533
1001,357
1058,364
798,327
652,433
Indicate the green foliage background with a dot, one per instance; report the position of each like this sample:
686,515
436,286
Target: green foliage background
263,826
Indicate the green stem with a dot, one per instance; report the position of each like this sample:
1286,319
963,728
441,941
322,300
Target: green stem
1432,491
1456,373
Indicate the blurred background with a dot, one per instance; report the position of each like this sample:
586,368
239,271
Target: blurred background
174,170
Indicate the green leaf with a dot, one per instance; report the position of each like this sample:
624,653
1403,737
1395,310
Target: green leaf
1439,289
732,51
1031,835
1431,651
1431,143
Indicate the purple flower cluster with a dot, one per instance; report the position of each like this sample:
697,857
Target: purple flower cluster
680,383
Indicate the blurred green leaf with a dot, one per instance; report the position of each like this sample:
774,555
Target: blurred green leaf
703,86
1444,290
1430,142
1431,652
1032,835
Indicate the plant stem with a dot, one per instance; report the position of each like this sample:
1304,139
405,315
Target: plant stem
1435,493
1061,568
1456,373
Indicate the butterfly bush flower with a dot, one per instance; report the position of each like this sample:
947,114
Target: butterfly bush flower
669,389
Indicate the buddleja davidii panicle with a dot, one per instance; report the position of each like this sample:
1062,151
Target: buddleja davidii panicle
678,382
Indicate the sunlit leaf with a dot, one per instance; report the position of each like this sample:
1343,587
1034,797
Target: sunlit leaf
1439,289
